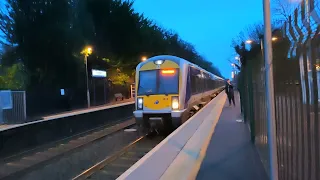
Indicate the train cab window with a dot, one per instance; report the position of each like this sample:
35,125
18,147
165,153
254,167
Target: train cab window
147,82
169,81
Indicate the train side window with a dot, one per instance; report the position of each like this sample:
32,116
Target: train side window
197,83
193,81
204,82
193,84
207,82
200,82
213,84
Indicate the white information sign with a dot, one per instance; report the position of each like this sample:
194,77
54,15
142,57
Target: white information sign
62,92
99,73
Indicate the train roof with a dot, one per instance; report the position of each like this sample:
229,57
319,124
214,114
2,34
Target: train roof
179,61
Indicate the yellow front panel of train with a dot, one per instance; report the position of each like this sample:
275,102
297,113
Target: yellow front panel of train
158,102
157,84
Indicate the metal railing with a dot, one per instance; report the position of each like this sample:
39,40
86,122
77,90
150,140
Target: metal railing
18,113
296,72
132,90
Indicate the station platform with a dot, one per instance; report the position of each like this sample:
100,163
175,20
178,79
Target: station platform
87,110
70,113
213,144
230,155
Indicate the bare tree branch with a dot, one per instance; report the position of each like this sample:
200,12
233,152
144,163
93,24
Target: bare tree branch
283,8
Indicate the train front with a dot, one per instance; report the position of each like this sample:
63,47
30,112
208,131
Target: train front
157,88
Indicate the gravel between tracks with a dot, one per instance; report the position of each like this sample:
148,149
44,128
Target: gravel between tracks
74,163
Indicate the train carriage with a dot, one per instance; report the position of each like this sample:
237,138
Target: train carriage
166,89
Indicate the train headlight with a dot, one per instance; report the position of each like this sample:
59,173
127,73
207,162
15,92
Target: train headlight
140,103
159,62
175,103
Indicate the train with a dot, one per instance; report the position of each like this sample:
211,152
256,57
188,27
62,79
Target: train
167,89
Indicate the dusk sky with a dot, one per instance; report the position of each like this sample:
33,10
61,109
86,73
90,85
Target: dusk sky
209,25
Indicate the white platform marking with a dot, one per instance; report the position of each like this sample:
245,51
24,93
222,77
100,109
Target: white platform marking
130,130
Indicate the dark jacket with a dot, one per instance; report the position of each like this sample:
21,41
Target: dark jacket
229,89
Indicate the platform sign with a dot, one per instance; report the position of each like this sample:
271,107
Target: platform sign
99,73
6,99
62,93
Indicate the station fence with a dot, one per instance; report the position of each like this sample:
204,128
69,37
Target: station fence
296,76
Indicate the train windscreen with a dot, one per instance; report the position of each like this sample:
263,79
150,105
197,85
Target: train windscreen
147,82
168,81
158,82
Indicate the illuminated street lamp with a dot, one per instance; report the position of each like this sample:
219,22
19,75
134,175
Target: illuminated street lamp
249,41
233,72
86,52
238,59
144,58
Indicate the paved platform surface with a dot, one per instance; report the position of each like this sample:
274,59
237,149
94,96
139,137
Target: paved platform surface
230,154
70,113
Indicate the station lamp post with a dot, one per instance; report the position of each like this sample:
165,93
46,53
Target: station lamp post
271,121
144,58
266,50
87,51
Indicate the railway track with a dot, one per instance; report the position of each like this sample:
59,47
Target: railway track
113,166
18,165
65,159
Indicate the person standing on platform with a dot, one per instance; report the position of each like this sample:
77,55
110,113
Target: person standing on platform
230,92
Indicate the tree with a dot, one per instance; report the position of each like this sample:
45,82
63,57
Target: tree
12,77
283,9
118,77
46,38
49,36
123,49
